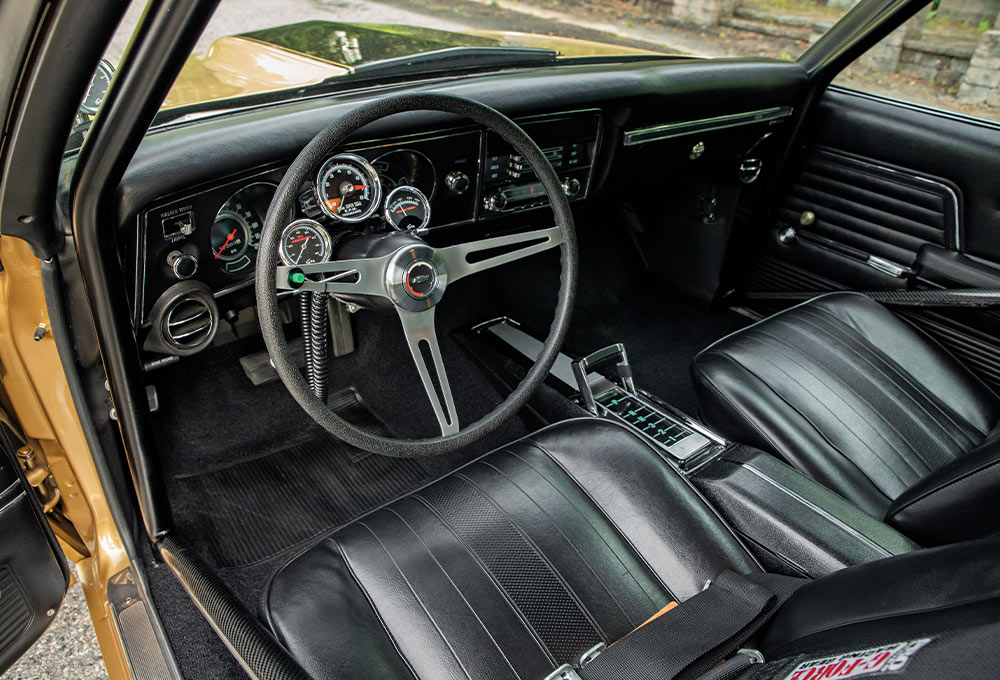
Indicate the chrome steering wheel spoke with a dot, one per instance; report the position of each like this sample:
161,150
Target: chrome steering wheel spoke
512,247
422,340
364,276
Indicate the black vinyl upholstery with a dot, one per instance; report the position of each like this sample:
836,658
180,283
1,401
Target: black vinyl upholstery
855,398
530,555
515,563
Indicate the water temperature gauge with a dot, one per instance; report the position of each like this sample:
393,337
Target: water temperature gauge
406,208
304,242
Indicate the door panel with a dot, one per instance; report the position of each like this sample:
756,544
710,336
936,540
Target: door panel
903,197
33,572
878,210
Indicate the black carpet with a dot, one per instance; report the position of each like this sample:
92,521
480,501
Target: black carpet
255,509
661,337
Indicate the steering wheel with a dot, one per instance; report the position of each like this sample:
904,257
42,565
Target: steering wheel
404,272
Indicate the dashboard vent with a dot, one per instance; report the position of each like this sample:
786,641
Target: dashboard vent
183,320
190,322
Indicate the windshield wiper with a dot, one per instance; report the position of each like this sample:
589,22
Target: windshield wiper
456,58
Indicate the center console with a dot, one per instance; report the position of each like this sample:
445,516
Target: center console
792,524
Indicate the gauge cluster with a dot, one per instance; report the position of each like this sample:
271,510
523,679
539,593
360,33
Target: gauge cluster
212,235
209,237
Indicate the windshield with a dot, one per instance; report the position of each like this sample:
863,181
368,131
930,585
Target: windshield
253,51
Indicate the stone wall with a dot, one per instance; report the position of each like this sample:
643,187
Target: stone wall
981,84
702,12
699,12
938,63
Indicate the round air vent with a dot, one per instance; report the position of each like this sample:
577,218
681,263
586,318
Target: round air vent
184,319
190,323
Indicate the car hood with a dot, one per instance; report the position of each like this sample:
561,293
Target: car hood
303,54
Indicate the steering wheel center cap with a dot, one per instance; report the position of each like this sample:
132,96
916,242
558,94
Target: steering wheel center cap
416,278
420,279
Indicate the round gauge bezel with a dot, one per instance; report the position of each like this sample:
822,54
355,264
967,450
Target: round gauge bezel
429,165
373,178
250,251
229,214
315,226
423,197
103,66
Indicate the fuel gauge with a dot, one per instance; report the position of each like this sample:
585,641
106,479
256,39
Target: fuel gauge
406,209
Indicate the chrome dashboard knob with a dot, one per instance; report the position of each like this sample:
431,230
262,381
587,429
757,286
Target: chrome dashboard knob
571,186
496,202
183,265
457,182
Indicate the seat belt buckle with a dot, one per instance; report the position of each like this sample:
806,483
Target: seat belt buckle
564,672
569,672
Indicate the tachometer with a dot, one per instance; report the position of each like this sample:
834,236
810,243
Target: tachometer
304,242
348,188
407,208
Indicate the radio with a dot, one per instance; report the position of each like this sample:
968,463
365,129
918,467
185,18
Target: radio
568,141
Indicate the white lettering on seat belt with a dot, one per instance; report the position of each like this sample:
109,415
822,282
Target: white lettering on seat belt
883,659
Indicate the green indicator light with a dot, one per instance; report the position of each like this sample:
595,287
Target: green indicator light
296,278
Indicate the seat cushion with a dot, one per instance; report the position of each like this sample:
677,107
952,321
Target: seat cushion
847,392
506,568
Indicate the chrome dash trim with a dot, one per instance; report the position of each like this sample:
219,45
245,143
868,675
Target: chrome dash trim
656,133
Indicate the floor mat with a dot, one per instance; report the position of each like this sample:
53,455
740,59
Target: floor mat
252,510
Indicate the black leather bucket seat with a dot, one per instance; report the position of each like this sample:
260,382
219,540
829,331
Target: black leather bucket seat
529,556
864,403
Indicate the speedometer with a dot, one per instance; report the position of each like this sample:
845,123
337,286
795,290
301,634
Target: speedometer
235,234
348,188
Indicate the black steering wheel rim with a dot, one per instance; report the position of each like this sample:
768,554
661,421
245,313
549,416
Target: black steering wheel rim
301,170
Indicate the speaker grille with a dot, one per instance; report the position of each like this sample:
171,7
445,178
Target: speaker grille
15,614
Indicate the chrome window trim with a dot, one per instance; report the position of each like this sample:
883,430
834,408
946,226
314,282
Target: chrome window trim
914,106
656,133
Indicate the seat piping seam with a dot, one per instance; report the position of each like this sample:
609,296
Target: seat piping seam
611,522
489,574
583,558
371,603
829,410
782,449
426,611
899,452
545,560
457,589
611,525
904,376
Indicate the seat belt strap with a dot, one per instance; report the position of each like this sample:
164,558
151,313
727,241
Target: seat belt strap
975,298
695,635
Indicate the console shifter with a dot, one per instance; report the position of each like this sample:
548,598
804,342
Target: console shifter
620,401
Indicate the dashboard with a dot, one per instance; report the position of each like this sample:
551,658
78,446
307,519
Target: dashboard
662,149
431,182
